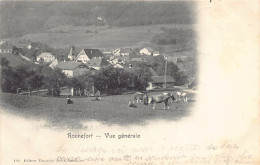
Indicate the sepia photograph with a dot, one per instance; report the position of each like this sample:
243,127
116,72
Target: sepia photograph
129,82
115,62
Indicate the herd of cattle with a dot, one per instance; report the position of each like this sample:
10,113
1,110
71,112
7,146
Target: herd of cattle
165,98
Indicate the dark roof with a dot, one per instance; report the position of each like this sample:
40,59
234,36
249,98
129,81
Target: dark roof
137,59
69,65
152,72
6,46
107,50
97,62
172,59
93,53
81,71
132,69
160,79
125,50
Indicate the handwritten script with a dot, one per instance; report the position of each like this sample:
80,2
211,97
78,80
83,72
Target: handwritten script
224,153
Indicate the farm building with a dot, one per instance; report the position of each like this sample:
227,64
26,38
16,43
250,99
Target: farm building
107,51
122,51
97,63
86,54
147,51
46,57
156,53
6,48
53,63
159,82
71,68
173,59
114,61
23,45
118,66
137,59
117,60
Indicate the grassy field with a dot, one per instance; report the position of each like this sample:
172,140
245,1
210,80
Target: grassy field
99,36
14,60
110,110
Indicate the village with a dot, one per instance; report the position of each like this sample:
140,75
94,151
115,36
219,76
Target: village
91,61
118,63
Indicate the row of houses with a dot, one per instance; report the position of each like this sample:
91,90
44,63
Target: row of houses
94,59
127,51
6,48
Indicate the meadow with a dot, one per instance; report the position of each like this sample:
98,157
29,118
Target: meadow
99,36
111,110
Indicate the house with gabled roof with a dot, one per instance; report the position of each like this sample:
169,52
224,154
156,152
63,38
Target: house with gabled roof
97,63
6,48
122,51
152,71
156,53
107,51
147,51
72,68
86,54
54,63
118,66
45,57
137,59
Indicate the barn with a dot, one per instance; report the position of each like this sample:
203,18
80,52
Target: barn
159,82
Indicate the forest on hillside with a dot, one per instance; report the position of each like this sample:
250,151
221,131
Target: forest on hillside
19,18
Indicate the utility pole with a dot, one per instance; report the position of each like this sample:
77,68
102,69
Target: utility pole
165,71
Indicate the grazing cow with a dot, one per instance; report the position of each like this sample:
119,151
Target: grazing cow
182,95
164,98
138,97
131,104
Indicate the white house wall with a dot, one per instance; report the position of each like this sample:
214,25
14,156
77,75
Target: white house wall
47,57
82,57
68,73
145,51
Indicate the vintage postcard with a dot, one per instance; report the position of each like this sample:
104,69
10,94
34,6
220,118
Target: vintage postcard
129,82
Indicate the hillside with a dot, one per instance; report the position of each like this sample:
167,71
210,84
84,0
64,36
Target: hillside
24,17
15,60
101,36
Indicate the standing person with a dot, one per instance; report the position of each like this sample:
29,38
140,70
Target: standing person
145,99
18,91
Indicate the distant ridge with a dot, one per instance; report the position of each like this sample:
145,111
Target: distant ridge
28,17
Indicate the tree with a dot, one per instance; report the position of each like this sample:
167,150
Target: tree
140,78
78,84
54,80
34,81
180,78
4,62
173,71
7,83
16,50
112,80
